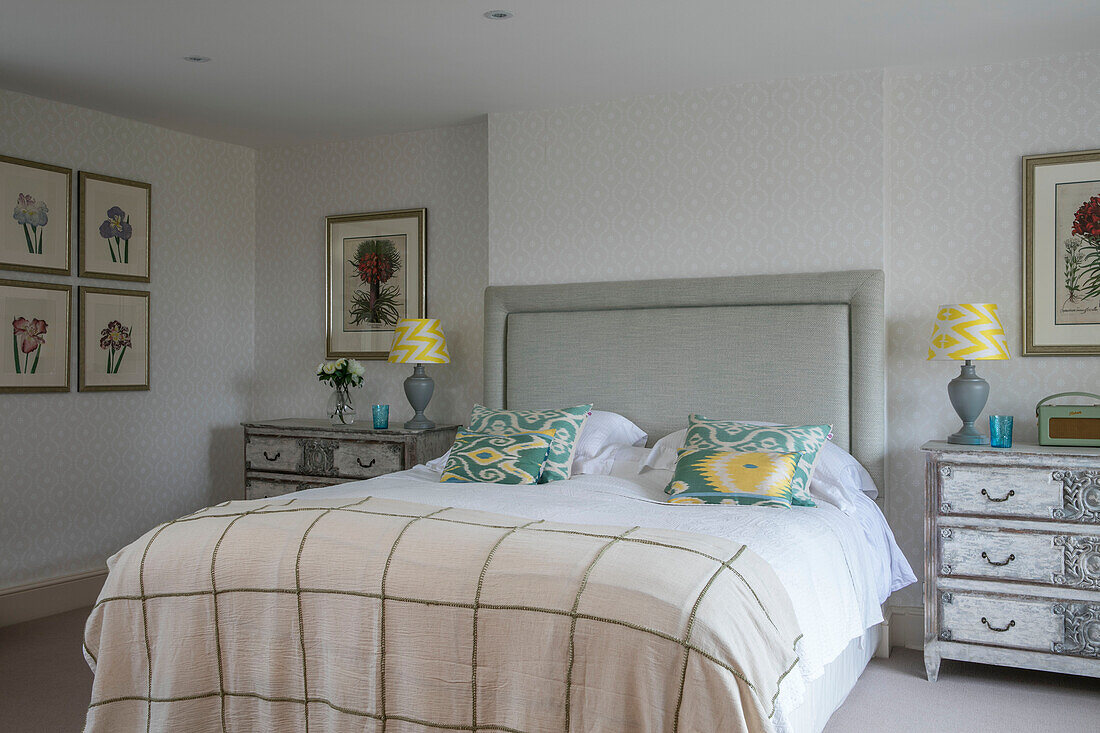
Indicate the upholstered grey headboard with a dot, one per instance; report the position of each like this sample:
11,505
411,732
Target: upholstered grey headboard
802,348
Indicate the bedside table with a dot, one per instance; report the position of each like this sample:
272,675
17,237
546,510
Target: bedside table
281,456
1012,557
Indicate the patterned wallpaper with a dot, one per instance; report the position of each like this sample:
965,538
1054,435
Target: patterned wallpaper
953,146
914,173
781,176
83,474
444,170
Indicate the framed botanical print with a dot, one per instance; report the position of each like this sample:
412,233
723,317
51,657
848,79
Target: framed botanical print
1062,254
37,359
374,277
36,236
114,340
114,227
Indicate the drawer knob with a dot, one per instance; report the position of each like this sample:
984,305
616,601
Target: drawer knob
991,627
365,465
274,457
1002,563
1006,497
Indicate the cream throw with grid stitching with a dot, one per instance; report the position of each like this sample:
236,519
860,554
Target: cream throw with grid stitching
267,615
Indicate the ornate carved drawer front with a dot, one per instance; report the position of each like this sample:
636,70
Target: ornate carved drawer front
266,453
366,460
1020,491
1062,627
1069,560
265,488
1026,556
1009,622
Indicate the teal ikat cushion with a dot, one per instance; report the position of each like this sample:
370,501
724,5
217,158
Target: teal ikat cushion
707,476
566,423
487,458
805,440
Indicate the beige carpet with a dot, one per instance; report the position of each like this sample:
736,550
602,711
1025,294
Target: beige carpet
45,684
44,681
893,696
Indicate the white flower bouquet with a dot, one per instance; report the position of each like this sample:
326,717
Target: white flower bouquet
341,373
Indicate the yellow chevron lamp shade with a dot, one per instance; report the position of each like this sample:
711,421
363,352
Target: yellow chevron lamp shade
419,341
968,331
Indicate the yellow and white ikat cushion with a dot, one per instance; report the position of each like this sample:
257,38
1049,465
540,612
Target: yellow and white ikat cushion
709,476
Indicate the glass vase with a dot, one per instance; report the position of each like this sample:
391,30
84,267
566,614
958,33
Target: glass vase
341,410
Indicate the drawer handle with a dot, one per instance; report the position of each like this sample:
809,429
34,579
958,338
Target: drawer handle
991,627
1006,497
274,457
1006,561
365,465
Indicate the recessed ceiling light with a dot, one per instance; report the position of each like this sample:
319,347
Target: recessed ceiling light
499,14
197,59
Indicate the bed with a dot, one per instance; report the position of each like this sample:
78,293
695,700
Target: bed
788,348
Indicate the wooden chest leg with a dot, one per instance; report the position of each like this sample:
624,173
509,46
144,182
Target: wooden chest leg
931,665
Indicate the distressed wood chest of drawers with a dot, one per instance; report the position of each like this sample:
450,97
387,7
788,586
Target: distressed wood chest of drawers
281,456
1012,557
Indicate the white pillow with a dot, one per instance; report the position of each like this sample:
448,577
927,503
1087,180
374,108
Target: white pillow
835,471
629,465
838,464
662,456
604,429
438,464
602,434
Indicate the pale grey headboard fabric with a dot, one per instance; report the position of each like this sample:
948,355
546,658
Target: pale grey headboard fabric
804,348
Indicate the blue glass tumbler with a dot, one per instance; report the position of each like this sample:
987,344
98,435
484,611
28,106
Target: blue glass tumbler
1000,431
381,415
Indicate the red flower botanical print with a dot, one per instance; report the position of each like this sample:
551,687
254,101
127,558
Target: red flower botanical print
376,261
27,336
32,333
1086,222
1081,253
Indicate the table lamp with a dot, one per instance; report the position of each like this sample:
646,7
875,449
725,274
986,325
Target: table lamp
967,332
419,341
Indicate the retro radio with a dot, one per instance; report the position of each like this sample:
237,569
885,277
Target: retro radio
1068,424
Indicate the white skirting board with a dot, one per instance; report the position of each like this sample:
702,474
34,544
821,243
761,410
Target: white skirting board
906,624
47,597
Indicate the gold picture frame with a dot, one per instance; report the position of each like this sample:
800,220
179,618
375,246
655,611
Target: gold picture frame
375,274
36,332
37,237
1061,254
117,323
114,228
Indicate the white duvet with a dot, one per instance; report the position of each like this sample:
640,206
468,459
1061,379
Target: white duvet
837,568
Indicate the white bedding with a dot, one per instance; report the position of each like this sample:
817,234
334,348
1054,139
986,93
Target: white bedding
837,568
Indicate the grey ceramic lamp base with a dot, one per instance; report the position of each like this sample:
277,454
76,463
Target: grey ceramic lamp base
418,388
968,393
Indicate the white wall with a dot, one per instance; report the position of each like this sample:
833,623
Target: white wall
766,177
83,474
444,170
913,173
954,141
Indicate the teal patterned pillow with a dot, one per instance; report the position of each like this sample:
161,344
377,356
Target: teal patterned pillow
733,435
568,424
485,458
707,476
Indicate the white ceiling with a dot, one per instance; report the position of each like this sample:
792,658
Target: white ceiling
291,71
